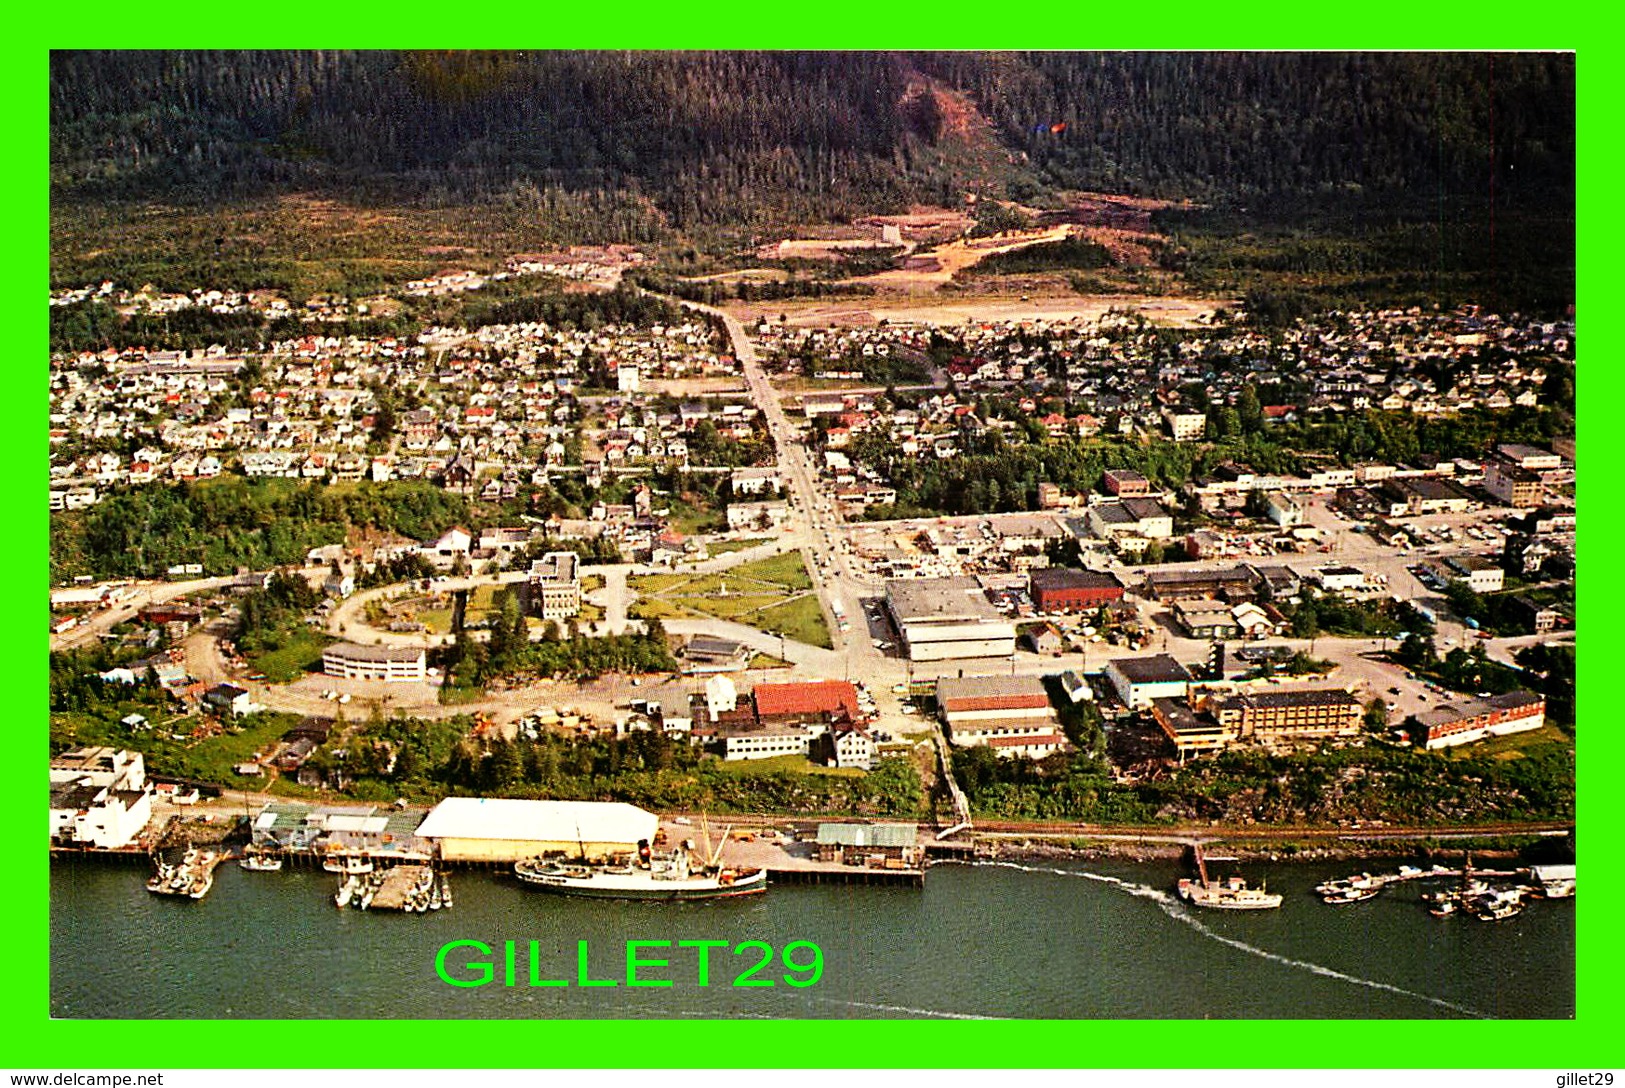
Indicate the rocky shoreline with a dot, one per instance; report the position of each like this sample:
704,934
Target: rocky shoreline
1276,852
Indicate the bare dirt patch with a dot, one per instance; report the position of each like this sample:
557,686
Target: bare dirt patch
925,309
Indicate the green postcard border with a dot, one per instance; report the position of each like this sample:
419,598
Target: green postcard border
33,1040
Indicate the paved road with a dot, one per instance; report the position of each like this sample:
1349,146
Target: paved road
144,594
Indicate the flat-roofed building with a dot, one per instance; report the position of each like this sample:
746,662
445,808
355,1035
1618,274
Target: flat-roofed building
856,844
1480,575
1339,579
555,586
1184,426
1513,484
1530,457
400,664
1192,733
1418,495
940,619
1176,585
1138,680
500,830
753,740
1010,714
1125,482
1468,720
1062,589
1287,715
100,797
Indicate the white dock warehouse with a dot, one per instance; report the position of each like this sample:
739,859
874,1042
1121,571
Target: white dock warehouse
500,830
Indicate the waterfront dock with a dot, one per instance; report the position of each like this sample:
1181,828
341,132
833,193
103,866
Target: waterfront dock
402,886
790,860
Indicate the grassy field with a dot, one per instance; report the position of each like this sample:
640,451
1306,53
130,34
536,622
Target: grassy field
780,764
768,595
767,661
800,619
648,584
787,570
437,620
727,547
1515,745
302,653
210,759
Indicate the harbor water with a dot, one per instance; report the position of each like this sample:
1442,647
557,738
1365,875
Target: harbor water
1051,939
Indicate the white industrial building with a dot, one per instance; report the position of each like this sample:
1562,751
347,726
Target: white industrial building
944,618
1138,680
500,830
393,663
99,797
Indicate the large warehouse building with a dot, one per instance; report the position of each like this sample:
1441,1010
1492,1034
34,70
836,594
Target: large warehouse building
944,618
1010,714
500,830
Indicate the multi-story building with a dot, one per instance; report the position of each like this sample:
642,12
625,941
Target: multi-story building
99,797
1211,722
555,586
1126,483
1286,715
1480,575
1474,719
1062,589
1138,680
1184,426
392,663
1513,484
1010,714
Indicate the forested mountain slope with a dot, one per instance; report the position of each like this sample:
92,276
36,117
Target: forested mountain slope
734,137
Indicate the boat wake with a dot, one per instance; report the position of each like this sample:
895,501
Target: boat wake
1171,907
938,1014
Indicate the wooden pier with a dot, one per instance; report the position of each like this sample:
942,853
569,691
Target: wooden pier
398,887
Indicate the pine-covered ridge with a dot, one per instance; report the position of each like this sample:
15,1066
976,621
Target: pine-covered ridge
750,138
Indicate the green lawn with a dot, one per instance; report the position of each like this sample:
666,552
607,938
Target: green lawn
781,764
646,584
656,608
800,619
1514,745
301,653
725,547
767,661
437,620
786,570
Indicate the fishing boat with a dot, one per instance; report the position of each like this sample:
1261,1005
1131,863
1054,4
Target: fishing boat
1443,908
1555,881
1348,883
347,864
347,889
257,861
1351,895
1232,894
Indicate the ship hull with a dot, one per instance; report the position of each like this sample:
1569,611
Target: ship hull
634,887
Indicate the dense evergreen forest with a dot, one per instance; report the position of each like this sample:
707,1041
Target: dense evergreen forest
735,137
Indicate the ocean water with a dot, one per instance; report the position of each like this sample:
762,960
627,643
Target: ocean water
1045,939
